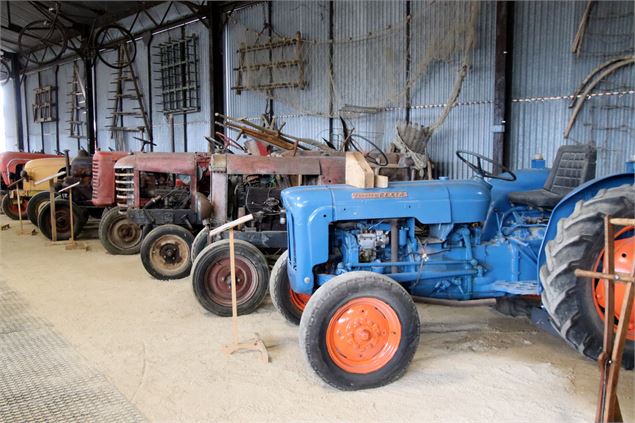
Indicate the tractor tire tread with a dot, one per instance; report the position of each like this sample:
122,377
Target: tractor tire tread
571,249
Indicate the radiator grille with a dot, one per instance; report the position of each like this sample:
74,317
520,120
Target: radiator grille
124,187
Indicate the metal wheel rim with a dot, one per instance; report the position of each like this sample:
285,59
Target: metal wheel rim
218,281
624,258
124,233
363,335
103,45
39,56
159,262
298,300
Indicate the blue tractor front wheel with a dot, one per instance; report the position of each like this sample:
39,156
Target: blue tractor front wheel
359,331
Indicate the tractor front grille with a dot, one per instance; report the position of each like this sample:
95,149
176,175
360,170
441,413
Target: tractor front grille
95,180
124,187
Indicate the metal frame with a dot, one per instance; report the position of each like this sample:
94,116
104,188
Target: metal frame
180,84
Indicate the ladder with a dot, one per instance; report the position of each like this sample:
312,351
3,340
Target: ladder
77,102
123,118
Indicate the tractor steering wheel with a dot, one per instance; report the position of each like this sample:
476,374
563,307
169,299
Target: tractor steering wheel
505,175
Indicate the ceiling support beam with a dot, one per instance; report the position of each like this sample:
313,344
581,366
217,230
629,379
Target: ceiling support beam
502,82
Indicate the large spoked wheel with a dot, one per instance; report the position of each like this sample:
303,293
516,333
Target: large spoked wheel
577,305
35,204
10,207
211,278
199,243
62,220
289,303
109,39
505,175
360,330
42,41
5,72
165,252
118,235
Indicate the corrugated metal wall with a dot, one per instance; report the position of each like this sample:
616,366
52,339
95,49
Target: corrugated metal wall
545,72
368,73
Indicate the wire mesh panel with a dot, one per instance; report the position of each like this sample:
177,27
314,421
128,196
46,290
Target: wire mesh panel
179,75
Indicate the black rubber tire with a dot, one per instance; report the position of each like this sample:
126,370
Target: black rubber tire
44,220
7,209
279,291
161,234
199,243
35,202
327,300
2,194
116,246
577,245
244,252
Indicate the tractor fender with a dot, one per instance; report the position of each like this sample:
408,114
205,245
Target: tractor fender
566,206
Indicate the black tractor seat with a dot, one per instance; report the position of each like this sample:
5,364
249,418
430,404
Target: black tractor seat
573,166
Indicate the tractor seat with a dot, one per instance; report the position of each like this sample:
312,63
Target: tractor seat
573,166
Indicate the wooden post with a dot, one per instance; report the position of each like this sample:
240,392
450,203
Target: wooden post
254,344
232,265
52,208
17,193
610,359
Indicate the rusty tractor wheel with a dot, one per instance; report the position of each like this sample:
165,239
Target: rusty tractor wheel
62,220
289,303
118,235
360,330
35,204
10,207
576,305
211,278
165,252
200,242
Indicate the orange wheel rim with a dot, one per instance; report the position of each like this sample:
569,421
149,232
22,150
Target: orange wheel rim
298,300
624,259
363,335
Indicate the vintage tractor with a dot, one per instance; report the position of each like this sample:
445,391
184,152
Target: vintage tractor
251,185
356,256
12,163
166,195
247,184
94,195
32,171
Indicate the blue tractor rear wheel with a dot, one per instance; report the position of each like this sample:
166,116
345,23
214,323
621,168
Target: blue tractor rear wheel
570,301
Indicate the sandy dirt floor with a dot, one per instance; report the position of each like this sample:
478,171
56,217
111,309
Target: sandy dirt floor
154,342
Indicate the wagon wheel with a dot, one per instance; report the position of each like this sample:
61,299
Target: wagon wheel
108,40
5,72
43,41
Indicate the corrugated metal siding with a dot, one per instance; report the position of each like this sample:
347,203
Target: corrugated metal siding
370,73
10,113
469,126
545,67
248,104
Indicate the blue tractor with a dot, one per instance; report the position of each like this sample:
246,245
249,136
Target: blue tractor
357,256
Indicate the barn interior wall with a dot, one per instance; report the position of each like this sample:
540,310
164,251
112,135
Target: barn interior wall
544,73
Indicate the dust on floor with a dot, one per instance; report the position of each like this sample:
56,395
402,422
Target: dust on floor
154,343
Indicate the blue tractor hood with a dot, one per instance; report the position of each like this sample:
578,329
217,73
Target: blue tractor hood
430,202
310,210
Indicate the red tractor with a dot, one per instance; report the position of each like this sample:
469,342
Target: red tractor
153,190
